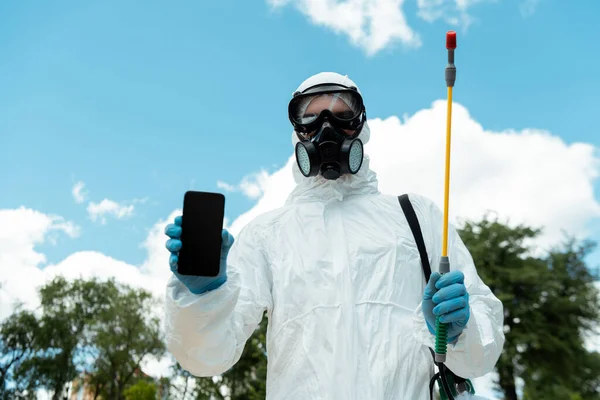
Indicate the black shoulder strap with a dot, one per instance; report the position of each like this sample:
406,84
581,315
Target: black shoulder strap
413,222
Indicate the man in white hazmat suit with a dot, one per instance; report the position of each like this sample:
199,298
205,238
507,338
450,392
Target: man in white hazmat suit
338,273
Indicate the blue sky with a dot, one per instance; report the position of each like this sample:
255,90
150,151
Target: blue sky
148,101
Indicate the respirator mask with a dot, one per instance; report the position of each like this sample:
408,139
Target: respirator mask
327,119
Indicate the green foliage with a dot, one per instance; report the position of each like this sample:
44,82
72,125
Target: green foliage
141,391
79,321
17,333
123,335
67,310
549,303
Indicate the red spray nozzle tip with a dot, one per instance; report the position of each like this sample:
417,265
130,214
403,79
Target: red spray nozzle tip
451,40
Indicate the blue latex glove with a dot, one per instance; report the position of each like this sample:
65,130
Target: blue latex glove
447,296
196,284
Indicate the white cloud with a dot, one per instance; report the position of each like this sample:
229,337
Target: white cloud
99,211
226,186
370,25
252,186
528,7
453,12
156,266
373,25
528,176
276,188
157,367
20,231
78,193
140,201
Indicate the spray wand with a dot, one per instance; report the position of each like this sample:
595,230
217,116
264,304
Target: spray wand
441,329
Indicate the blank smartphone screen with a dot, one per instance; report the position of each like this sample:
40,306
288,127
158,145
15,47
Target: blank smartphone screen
201,229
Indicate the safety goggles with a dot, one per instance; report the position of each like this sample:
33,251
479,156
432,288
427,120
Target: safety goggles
342,106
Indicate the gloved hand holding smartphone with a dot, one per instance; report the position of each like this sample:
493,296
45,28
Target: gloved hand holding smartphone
198,243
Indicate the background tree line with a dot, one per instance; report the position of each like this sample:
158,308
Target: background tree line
105,329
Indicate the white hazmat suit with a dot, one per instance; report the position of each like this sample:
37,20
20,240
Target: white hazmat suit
338,273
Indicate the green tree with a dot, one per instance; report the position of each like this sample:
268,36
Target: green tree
568,309
101,327
142,390
59,347
549,302
17,335
182,390
121,337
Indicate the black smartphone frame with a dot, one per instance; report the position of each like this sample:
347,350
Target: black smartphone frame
201,234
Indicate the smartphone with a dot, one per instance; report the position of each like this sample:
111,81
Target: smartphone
201,228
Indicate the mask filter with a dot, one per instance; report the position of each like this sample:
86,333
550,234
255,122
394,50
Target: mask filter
329,153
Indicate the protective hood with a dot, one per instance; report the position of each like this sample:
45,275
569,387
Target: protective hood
319,188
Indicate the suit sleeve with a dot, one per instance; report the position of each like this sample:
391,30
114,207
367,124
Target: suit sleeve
207,333
480,344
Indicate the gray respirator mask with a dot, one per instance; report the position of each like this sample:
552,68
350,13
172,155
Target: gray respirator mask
328,119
